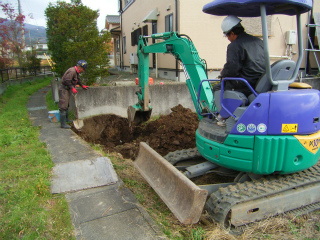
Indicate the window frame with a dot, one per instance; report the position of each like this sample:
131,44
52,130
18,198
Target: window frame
169,22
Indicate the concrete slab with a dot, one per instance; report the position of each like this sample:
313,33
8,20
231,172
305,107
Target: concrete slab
111,200
65,144
77,175
125,225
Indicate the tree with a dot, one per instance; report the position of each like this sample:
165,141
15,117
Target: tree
32,63
11,35
73,35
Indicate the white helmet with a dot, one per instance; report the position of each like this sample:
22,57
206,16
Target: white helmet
229,22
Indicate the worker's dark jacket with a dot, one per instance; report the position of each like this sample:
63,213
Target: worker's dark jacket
245,59
68,81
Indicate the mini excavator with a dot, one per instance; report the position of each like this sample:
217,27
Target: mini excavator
270,142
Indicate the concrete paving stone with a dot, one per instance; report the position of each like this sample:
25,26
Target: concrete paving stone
127,197
66,145
108,202
77,175
37,108
128,225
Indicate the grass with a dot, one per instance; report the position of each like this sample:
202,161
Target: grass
27,208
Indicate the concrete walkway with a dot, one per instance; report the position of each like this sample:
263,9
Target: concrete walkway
101,207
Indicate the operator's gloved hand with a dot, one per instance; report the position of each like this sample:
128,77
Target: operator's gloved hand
85,87
74,90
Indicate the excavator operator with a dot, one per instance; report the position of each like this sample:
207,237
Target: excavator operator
245,57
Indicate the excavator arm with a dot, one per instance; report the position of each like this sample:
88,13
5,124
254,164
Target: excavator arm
185,199
182,48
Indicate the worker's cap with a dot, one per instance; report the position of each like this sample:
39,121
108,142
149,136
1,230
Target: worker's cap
82,63
228,23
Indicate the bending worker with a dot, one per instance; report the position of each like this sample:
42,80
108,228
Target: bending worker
245,57
68,86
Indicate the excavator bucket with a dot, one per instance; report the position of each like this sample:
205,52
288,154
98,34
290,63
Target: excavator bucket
137,116
185,199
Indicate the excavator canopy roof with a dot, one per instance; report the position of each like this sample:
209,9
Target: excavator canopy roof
251,8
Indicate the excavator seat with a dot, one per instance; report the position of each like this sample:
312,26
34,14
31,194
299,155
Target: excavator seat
280,70
232,100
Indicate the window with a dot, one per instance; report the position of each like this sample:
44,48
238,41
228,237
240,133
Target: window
117,46
145,31
124,44
169,23
135,36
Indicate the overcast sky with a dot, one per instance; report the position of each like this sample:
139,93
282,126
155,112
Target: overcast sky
37,7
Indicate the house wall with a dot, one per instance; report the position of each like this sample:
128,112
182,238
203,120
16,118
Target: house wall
132,19
210,42
205,32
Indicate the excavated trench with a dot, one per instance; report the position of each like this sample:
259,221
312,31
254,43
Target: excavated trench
166,134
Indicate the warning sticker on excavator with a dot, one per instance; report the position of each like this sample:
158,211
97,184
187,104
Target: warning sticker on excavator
289,128
310,142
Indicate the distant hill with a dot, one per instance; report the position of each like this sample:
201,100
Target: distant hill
34,33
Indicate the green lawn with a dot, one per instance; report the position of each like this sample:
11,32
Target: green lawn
27,208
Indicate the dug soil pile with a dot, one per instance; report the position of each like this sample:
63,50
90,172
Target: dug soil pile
166,134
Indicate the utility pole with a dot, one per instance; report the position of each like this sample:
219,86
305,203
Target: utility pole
20,12
19,54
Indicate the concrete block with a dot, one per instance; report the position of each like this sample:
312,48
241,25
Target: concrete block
112,200
77,175
117,99
125,225
55,89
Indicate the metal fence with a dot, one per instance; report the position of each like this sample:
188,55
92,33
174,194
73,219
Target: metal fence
19,73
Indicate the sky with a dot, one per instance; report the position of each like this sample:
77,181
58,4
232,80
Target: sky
36,8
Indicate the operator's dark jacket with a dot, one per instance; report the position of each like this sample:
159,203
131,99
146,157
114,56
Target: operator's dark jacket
245,59
68,81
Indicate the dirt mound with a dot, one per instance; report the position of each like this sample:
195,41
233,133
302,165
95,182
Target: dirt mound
168,133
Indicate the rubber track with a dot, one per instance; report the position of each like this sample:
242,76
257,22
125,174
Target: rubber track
180,155
220,202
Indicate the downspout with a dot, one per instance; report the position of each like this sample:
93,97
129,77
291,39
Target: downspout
121,54
177,29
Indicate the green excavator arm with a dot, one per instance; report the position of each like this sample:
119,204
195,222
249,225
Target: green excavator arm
185,199
182,48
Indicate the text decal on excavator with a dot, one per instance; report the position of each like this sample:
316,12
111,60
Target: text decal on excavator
311,142
289,128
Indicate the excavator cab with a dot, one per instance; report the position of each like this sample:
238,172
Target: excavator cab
271,139
233,103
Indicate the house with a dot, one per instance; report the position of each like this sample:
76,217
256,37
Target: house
41,48
186,17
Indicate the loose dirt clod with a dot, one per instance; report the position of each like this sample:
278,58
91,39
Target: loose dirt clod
168,133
